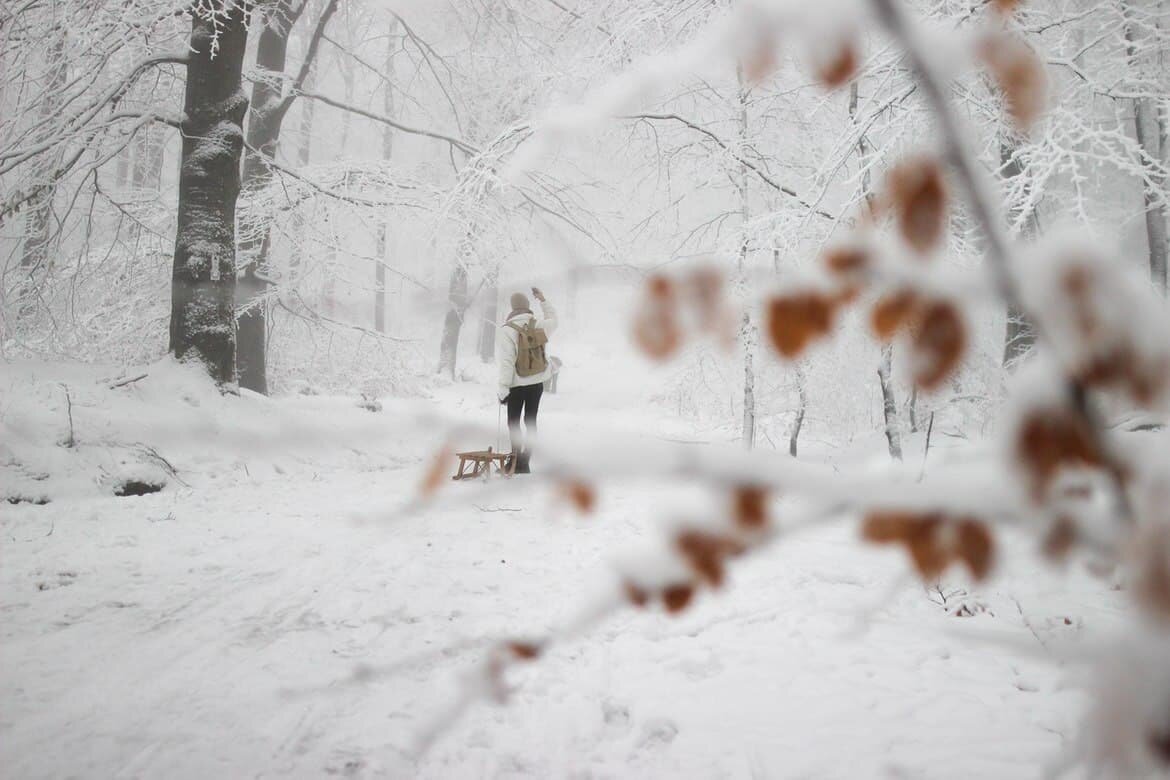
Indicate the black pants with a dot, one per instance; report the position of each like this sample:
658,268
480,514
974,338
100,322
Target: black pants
524,399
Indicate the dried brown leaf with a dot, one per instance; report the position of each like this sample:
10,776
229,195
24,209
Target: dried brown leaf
928,555
677,597
836,70
846,261
918,196
938,344
1051,439
580,495
976,547
656,329
525,651
886,527
637,595
760,62
1059,539
1019,74
433,479
797,319
660,287
706,554
750,507
931,549
892,313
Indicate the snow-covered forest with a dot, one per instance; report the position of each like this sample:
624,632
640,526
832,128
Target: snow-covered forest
853,455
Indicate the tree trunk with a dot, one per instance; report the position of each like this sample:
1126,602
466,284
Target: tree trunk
912,410
798,421
491,311
269,107
889,404
38,221
204,275
1148,132
387,153
747,329
749,382
380,281
1148,137
453,322
1019,336
264,123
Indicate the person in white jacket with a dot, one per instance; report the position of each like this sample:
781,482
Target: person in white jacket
522,394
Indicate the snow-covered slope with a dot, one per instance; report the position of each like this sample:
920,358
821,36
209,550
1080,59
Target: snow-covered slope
273,612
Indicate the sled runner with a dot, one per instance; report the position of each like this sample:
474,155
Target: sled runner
481,464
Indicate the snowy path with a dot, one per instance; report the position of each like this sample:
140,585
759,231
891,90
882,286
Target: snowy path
215,633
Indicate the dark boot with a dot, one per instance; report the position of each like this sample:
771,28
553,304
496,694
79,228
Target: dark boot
522,462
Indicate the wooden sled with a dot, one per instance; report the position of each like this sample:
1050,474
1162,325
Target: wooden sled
482,463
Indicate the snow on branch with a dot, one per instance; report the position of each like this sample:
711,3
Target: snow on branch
1058,470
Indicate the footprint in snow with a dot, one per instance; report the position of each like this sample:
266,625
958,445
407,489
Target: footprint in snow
616,717
62,579
346,766
657,734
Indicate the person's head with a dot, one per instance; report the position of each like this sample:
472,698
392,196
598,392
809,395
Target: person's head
519,301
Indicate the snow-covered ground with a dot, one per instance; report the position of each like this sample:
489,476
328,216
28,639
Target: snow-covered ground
273,611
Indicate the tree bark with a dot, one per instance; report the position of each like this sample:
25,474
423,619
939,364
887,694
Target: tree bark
203,279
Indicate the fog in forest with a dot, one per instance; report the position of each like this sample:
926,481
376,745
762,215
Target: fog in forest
584,388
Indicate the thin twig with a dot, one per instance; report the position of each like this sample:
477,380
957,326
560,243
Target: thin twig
71,441
125,382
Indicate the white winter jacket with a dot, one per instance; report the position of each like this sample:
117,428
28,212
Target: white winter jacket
506,340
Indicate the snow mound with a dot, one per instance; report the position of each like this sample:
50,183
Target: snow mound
73,431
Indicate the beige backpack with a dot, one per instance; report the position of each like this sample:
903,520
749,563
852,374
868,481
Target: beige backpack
530,341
